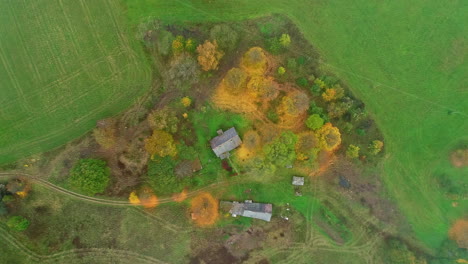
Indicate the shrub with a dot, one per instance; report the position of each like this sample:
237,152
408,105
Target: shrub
273,45
178,45
314,122
190,45
352,151
375,147
281,70
18,223
285,40
91,176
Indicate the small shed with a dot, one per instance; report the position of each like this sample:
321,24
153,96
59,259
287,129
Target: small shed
298,181
225,142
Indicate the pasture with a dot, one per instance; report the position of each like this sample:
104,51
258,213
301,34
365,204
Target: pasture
404,60
63,65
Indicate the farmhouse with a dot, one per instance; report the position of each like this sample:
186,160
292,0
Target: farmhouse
225,142
248,209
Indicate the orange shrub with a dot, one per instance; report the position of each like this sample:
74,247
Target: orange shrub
204,209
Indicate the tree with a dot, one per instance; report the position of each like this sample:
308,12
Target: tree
161,143
91,176
314,122
254,61
307,146
178,45
459,233
295,103
163,119
209,55
263,88
376,147
338,109
183,69
204,209
332,94
190,45
285,40
329,137
164,42
282,150
235,81
226,37
133,198
18,223
352,151
161,176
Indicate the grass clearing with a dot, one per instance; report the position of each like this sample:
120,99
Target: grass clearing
400,58
63,64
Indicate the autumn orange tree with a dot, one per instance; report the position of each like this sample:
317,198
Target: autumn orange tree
209,55
459,233
204,209
161,143
329,137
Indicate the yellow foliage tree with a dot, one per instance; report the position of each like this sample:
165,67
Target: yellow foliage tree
209,55
329,95
161,143
329,137
186,101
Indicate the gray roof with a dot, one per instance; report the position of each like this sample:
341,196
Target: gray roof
225,142
248,209
298,180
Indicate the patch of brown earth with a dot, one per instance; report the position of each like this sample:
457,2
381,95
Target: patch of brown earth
459,158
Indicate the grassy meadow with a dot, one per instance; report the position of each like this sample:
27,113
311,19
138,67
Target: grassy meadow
404,60
63,65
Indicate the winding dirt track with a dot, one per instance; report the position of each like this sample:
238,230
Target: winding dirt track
101,200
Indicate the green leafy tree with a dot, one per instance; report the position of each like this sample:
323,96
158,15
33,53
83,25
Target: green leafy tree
18,223
161,176
314,122
282,150
285,40
91,176
226,37
190,45
352,151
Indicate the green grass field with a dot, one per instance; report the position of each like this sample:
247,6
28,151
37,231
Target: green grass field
406,61
63,65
